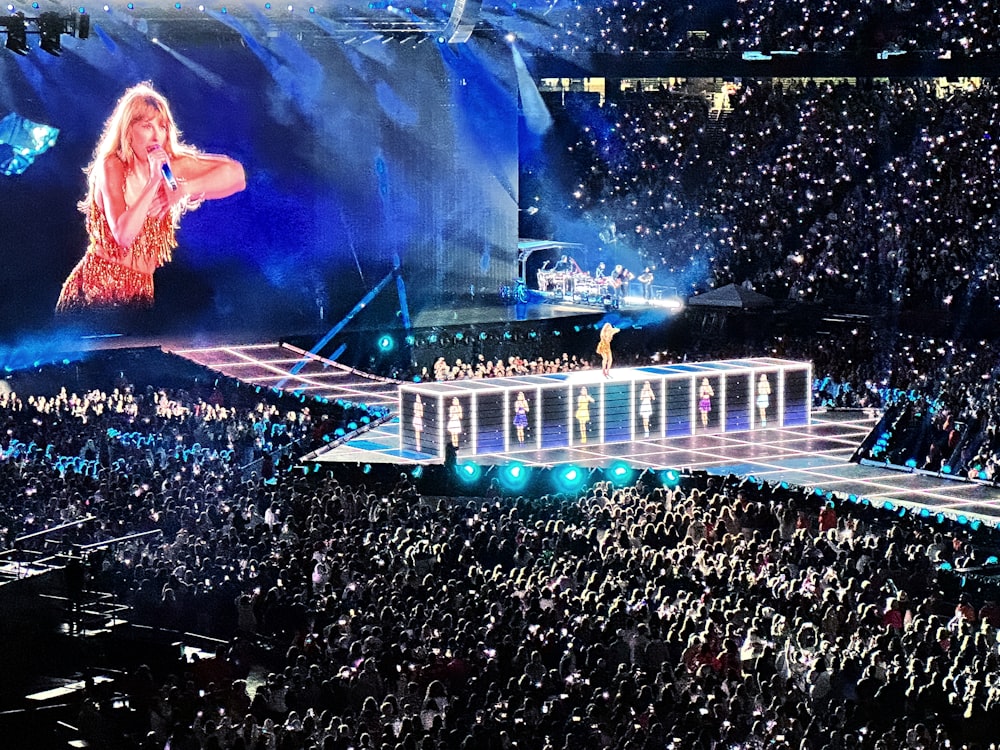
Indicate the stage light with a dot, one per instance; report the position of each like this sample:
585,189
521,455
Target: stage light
418,471
911,463
410,340
962,520
514,477
946,469
469,472
386,343
670,478
483,336
569,478
50,27
17,36
459,336
620,473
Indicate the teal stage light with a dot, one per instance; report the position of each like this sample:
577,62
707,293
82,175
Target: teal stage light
569,478
469,472
670,478
514,477
386,343
620,473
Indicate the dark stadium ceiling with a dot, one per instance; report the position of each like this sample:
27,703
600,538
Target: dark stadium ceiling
539,26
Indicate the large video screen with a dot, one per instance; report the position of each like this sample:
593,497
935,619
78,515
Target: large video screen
308,163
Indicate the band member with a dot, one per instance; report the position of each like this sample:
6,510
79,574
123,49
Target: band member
521,408
141,180
583,402
763,398
600,274
646,399
620,279
705,394
646,279
418,418
564,264
455,420
608,332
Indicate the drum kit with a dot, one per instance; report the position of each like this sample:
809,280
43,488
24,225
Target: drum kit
579,287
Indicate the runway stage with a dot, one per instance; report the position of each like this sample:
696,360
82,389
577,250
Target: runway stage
814,455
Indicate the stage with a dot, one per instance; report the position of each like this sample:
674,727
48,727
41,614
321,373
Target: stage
816,455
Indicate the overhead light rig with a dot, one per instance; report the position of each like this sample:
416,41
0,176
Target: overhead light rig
48,26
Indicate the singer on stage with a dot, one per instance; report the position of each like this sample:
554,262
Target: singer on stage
142,178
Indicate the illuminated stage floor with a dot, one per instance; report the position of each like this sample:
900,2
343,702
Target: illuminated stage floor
815,456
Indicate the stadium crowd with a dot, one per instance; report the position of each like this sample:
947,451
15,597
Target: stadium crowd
835,26
876,192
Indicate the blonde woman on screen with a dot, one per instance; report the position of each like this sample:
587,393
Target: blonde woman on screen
142,178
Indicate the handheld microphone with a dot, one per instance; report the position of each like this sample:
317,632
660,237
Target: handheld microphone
168,175
165,170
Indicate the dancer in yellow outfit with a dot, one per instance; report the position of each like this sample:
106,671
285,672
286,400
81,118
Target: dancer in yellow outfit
608,332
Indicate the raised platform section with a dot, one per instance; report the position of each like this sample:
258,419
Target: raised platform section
567,409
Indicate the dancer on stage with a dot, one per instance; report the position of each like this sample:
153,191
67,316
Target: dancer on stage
705,394
141,180
646,399
583,402
521,408
763,398
455,420
418,418
608,332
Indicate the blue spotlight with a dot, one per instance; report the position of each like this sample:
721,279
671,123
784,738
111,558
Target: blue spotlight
975,524
946,469
962,520
514,477
911,463
469,472
925,513
570,478
459,336
670,478
620,473
418,471
386,343
888,505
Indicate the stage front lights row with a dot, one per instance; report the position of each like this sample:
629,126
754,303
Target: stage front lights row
48,26
513,478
